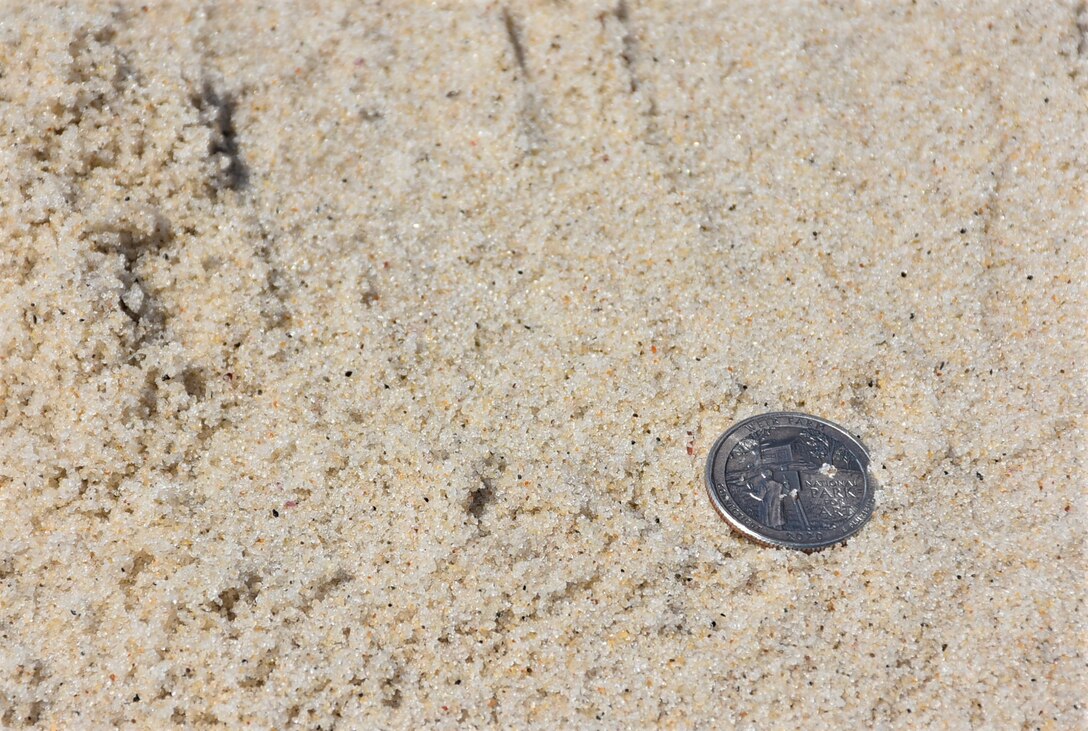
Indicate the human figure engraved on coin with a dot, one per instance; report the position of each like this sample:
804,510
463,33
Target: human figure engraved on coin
791,480
769,494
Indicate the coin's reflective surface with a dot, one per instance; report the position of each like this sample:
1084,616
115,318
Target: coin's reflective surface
790,480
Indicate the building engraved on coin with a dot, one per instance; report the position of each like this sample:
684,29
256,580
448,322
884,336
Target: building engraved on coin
790,480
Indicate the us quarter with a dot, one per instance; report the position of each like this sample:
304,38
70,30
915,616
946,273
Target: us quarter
790,480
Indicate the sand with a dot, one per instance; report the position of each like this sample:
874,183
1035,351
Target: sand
359,361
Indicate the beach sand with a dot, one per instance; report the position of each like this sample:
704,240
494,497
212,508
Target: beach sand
359,362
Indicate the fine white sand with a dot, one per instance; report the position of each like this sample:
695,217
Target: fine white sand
359,361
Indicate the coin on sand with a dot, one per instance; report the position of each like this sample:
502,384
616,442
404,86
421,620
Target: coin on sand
790,480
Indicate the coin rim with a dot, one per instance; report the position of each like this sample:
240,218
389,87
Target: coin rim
708,475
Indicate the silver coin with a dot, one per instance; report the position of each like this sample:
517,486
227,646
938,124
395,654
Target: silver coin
790,480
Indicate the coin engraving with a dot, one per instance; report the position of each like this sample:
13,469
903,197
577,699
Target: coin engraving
790,480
